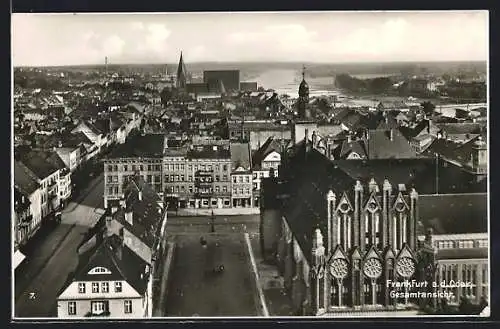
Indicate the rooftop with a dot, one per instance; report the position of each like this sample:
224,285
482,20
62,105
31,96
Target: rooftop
147,146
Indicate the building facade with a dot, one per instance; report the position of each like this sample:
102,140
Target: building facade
198,176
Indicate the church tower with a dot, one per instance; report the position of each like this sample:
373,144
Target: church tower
181,74
304,112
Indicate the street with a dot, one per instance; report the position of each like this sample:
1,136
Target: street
196,290
222,224
53,257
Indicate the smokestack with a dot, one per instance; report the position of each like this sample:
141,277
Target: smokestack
106,65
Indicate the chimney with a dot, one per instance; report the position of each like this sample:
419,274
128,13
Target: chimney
60,144
391,135
314,139
140,195
129,216
428,235
349,138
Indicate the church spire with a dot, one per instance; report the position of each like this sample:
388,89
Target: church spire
181,74
303,72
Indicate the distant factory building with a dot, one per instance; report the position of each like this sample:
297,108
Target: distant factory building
248,86
229,80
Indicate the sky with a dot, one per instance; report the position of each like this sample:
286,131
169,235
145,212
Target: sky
323,37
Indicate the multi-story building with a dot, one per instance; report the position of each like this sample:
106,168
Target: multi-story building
241,175
111,280
229,79
121,258
267,157
28,220
459,224
338,239
140,154
47,174
198,176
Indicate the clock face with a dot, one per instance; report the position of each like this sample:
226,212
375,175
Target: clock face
339,268
405,267
372,268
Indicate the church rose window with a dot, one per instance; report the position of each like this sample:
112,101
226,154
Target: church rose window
338,268
405,267
344,207
372,268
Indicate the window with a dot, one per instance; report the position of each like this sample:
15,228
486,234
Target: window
248,190
71,308
224,188
172,178
182,167
118,286
177,189
95,287
224,178
110,168
110,191
99,270
99,307
182,178
182,188
176,178
235,190
225,168
217,188
190,167
241,190
115,167
247,179
81,287
125,168
127,306
240,179
142,167
105,287
234,179
217,168
149,179
110,179
190,189
176,166
166,178
190,178
209,167
150,168
217,178
115,179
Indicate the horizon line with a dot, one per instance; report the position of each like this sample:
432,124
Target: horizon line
262,62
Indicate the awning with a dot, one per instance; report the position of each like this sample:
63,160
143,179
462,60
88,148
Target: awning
18,258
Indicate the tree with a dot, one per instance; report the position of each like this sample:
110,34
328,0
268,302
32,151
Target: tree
428,107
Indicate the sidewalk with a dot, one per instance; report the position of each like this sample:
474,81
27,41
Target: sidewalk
188,212
159,308
278,303
86,191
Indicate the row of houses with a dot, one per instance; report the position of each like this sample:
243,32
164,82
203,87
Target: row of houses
44,172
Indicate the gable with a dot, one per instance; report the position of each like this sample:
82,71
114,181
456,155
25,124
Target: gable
405,252
400,203
273,156
372,253
344,204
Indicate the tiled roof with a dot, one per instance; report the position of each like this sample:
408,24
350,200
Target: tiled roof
147,214
357,146
381,146
24,179
123,263
42,163
148,146
240,155
462,128
269,146
454,213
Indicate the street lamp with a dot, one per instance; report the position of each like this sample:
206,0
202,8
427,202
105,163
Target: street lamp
212,222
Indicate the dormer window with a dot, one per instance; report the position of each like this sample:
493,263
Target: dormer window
99,270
